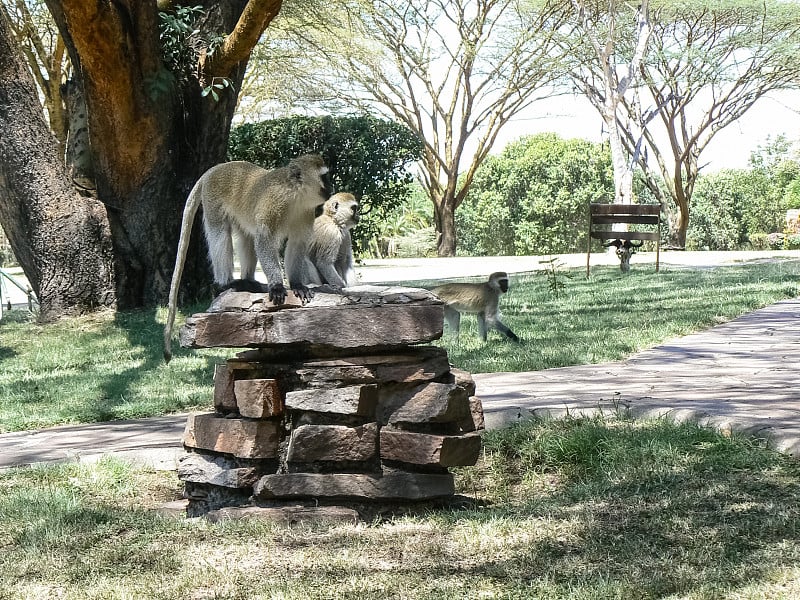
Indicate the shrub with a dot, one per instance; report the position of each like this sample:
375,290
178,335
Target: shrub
792,242
534,197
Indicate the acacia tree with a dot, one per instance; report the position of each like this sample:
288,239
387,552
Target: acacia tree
707,66
45,54
606,74
453,71
153,131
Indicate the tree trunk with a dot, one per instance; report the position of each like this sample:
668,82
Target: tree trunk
680,228
445,227
152,136
61,239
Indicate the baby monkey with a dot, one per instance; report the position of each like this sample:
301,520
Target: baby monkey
481,299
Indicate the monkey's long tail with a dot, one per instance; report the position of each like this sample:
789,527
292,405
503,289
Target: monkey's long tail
189,211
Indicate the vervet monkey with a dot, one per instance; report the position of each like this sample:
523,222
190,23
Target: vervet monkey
331,248
258,210
481,299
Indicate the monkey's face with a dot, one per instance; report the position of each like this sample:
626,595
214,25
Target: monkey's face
499,281
343,209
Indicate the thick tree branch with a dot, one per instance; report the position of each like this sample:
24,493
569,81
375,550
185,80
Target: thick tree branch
238,45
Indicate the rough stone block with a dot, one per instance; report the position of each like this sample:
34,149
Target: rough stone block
337,443
476,409
396,485
427,403
287,515
258,398
427,449
216,470
224,399
415,366
339,326
464,380
241,437
360,400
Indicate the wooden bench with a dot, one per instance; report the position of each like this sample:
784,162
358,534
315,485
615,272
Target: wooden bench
603,216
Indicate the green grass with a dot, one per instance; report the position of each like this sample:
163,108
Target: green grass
109,366
97,368
578,509
611,316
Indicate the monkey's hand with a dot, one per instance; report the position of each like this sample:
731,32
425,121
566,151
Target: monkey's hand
303,293
277,293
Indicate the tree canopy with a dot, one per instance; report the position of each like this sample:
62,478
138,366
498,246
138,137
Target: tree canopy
452,71
533,197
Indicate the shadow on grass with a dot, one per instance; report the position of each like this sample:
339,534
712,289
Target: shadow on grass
591,509
653,509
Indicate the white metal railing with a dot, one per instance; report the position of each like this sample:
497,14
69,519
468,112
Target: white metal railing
7,279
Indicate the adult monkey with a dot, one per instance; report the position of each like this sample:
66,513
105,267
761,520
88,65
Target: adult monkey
481,299
331,248
260,209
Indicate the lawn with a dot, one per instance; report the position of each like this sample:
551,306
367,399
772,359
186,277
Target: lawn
574,509
588,508
109,365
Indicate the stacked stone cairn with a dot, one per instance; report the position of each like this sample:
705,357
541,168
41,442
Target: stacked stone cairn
339,402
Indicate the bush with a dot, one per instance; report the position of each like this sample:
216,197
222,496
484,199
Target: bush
534,197
792,242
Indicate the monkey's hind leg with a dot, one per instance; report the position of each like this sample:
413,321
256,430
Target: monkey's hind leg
246,251
453,319
295,259
220,250
266,246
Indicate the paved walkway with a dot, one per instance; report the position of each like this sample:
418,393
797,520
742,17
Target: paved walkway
743,375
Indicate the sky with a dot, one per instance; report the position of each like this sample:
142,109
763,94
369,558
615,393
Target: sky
730,149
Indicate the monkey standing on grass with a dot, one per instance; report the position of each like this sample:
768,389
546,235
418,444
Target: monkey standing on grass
331,248
258,209
481,299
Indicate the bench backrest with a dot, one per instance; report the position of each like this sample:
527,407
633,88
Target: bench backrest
603,216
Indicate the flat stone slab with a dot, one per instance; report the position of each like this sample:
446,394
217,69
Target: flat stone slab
243,438
389,486
357,317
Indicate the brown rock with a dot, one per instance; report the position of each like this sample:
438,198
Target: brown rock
358,400
216,470
311,443
475,420
463,379
175,508
258,398
224,399
390,486
241,437
427,449
338,326
416,365
427,403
